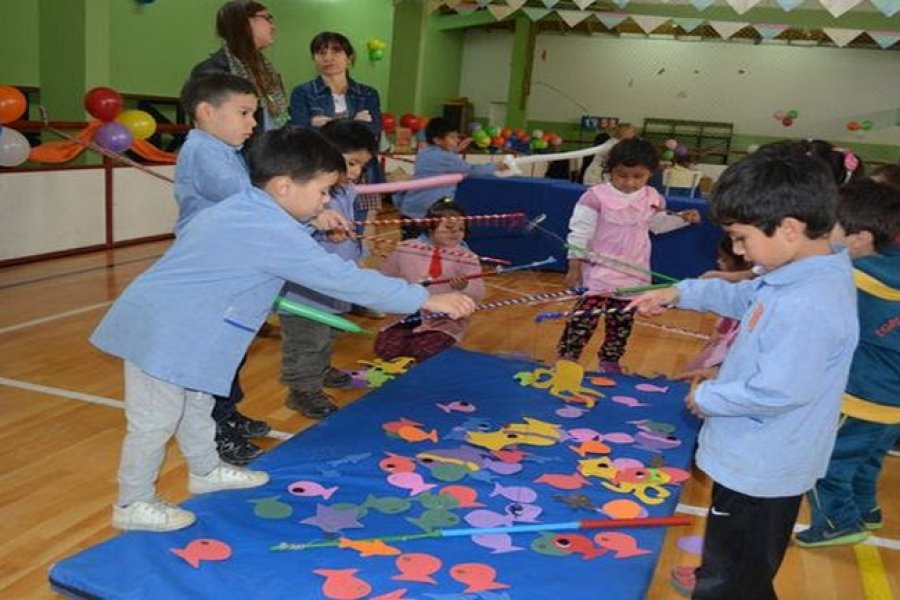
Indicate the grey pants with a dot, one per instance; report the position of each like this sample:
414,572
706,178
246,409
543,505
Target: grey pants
155,411
306,348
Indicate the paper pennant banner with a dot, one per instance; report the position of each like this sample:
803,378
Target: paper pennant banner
789,5
887,7
536,14
885,39
433,5
610,20
516,4
702,4
500,12
550,3
483,3
583,4
742,6
839,7
624,3
726,29
573,17
842,37
770,30
688,25
648,22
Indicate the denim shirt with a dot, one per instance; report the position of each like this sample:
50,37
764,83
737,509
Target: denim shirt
313,99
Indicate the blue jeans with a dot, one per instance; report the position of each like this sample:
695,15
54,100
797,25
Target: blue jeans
847,492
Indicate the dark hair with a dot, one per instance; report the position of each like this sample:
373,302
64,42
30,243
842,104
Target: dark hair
776,182
836,159
214,88
438,127
445,207
233,27
870,206
726,251
300,154
889,175
349,136
327,39
632,153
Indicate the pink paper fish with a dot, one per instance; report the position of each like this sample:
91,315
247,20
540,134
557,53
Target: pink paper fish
628,401
311,489
203,549
457,406
410,481
622,544
479,577
342,584
583,434
563,482
649,387
497,543
417,566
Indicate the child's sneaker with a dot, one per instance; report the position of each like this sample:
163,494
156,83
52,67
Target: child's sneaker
226,477
313,405
335,378
157,515
247,427
873,519
234,448
683,580
817,538
610,366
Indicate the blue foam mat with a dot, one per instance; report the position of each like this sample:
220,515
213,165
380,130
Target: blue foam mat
344,450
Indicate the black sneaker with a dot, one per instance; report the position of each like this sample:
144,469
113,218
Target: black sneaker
335,378
873,519
247,427
232,446
313,405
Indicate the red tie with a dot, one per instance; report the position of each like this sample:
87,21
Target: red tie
434,269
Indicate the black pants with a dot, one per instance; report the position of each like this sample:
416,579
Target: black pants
226,406
746,538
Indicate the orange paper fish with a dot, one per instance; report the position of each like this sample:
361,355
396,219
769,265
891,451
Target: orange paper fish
411,433
368,547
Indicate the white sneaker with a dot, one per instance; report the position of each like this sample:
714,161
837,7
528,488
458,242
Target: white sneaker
226,477
157,515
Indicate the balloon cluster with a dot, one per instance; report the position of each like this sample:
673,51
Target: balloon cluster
376,48
120,128
412,122
14,148
857,125
674,148
787,118
495,139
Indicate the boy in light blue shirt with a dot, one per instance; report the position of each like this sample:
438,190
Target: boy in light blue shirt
770,415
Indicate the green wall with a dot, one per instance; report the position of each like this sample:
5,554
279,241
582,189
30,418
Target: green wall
19,43
440,69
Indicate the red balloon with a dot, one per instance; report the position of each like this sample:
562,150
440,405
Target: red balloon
421,123
388,122
103,103
854,125
497,141
409,120
787,121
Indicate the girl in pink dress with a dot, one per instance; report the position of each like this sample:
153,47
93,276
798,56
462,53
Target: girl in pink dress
609,230
438,254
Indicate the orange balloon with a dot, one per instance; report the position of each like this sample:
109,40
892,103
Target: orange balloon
12,104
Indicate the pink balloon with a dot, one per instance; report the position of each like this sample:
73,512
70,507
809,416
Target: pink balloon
411,184
779,115
671,144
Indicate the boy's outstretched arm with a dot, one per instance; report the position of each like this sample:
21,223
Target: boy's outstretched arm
455,304
654,302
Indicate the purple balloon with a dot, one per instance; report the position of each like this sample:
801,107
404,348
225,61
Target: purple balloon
114,137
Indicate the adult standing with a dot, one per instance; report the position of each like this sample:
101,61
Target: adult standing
246,28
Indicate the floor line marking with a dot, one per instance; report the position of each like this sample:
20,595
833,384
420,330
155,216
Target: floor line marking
77,272
874,579
62,315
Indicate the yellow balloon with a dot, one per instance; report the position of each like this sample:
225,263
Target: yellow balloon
140,123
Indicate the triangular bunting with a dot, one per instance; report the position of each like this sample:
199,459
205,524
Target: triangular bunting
701,4
516,4
885,39
726,29
649,22
789,5
688,25
838,7
500,12
887,7
550,3
452,3
610,20
742,6
621,3
770,31
572,17
536,14
433,5
842,37
583,4
483,3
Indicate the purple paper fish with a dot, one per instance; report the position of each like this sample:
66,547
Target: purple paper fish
410,481
649,387
618,437
655,442
457,406
571,412
583,434
502,468
488,518
311,489
628,401
524,513
516,493
497,543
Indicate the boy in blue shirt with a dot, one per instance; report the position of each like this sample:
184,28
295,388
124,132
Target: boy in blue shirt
183,326
440,157
843,504
770,415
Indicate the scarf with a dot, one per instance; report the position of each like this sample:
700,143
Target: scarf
274,98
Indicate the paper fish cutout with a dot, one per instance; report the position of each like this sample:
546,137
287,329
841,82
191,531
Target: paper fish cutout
563,382
417,566
563,482
410,481
510,456
543,544
332,520
649,387
524,513
343,584
628,401
411,433
624,545
437,518
657,426
478,577
623,509
395,595
655,442
516,493
311,489
448,473
394,463
394,426
602,381
203,549
533,426
466,496
488,518
590,447
497,543
578,544
271,508
387,505
571,412
457,406
368,547
350,459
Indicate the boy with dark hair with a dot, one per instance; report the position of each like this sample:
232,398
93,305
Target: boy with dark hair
844,503
440,157
218,282
770,415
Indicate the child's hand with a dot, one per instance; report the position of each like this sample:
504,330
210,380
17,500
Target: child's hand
692,406
503,166
573,275
463,144
319,120
459,282
691,215
455,304
363,115
653,303
329,220
698,374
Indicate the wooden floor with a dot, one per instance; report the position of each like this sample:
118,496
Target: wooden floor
61,422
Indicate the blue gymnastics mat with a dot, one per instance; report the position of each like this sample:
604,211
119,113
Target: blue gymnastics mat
465,440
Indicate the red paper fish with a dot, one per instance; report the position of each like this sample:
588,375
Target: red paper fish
395,463
510,456
479,577
563,482
203,549
622,544
417,566
342,584
578,544
466,496
394,426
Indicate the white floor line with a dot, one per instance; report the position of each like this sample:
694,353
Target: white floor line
111,402
55,317
698,511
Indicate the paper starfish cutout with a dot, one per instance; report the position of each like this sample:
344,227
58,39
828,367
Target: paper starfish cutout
331,520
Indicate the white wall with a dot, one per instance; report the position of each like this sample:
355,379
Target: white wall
711,81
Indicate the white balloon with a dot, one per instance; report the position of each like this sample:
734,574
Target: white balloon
14,148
